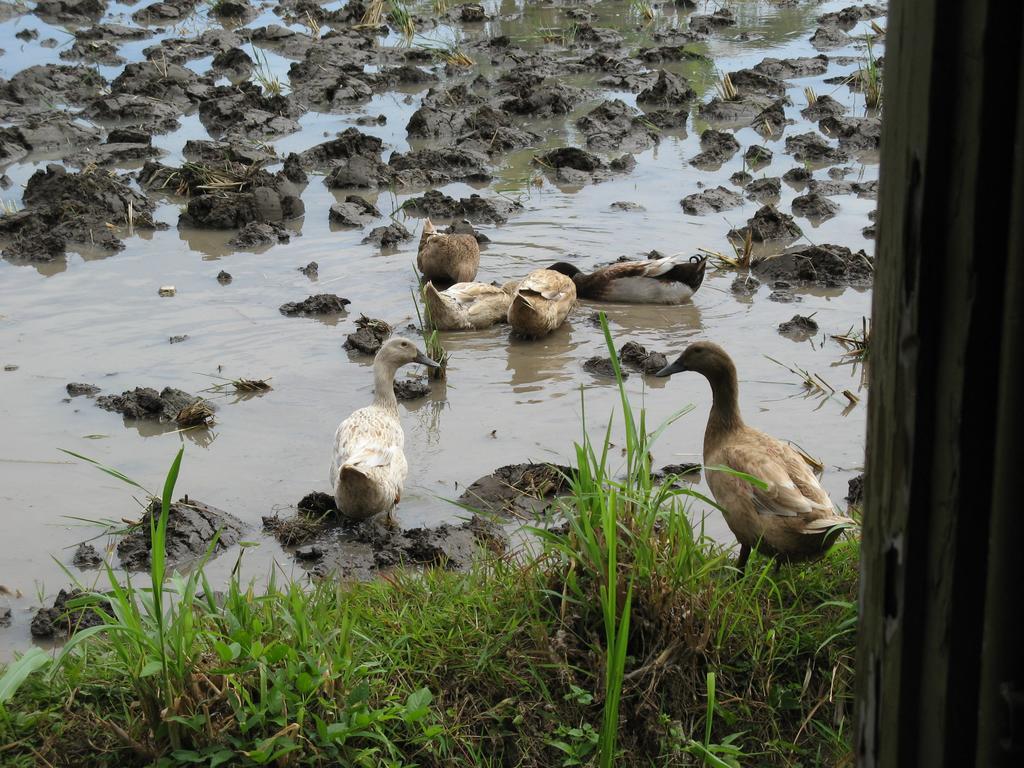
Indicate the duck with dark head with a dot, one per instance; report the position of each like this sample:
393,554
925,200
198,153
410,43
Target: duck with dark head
671,280
791,517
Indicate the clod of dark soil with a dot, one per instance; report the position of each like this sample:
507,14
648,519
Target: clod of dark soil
363,551
811,148
5,617
754,81
855,492
311,270
738,111
235,210
707,25
635,355
815,207
436,167
797,177
244,111
799,328
411,389
224,277
669,90
745,285
764,191
86,557
53,133
257,234
686,471
825,265
575,166
811,66
64,208
438,205
369,335
823,106
177,339
626,205
60,620
76,389
854,133
352,149
717,147
147,403
354,212
218,153
827,37
848,17
741,178
833,186
518,490
710,201
601,366
614,125
191,528
389,236
767,225
757,156
782,292
772,121
320,304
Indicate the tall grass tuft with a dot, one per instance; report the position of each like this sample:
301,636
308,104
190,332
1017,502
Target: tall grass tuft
869,75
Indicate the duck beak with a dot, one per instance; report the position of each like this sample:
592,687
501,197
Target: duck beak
674,367
422,359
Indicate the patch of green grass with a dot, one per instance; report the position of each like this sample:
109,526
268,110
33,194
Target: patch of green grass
625,638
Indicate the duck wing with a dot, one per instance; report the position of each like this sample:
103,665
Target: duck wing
467,294
791,490
365,440
549,285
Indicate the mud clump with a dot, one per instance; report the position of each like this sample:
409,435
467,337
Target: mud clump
757,156
436,204
257,234
518,490
669,89
436,167
224,277
823,107
369,335
764,191
799,328
854,133
602,366
855,490
767,225
77,389
825,265
636,355
717,147
60,620
710,201
815,207
575,166
86,557
811,148
147,403
411,389
354,212
191,528
811,66
707,25
614,125
827,37
237,209
772,121
389,236
745,285
319,304
72,208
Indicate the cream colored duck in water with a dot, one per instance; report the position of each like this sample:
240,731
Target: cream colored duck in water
368,467
467,306
541,303
793,517
447,258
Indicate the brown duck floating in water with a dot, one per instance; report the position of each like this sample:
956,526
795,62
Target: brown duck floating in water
540,303
447,258
467,306
793,517
671,280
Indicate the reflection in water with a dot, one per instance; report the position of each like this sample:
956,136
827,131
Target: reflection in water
539,361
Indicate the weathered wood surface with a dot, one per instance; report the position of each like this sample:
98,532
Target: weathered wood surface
934,655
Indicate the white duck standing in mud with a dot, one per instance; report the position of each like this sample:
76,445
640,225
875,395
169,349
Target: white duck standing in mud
368,467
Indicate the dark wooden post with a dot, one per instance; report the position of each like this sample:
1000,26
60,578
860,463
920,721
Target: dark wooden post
937,669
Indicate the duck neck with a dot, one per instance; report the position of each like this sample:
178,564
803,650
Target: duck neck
384,385
725,408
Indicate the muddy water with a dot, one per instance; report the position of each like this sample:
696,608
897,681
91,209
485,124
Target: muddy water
97,318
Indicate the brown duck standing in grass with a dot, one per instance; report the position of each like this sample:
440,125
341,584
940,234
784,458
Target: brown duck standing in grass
447,258
792,518
671,280
540,303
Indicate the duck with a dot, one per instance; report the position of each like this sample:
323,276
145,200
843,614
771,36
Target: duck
466,306
368,466
792,518
670,280
540,303
447,258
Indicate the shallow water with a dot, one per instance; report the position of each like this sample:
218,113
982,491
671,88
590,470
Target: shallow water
97,318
